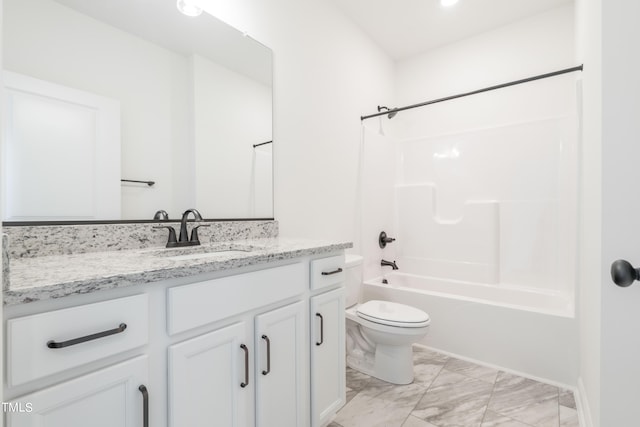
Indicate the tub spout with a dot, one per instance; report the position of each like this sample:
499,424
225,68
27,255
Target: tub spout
389,264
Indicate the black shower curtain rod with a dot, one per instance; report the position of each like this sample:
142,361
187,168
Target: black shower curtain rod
474,92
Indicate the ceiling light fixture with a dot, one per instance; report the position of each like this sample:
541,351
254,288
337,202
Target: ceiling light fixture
189,7
448,3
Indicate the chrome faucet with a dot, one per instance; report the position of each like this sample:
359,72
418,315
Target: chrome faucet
389,264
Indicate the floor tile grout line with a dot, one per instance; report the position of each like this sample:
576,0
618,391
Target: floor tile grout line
493,389
469,376
495,383
426,389
413,409
558,406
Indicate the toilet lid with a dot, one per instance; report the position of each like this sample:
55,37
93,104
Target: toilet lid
393,314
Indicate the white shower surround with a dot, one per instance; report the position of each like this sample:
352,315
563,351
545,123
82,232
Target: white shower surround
481,194
496,269
495,205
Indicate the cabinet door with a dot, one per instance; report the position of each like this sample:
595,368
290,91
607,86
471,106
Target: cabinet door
280,366
205,377
106,398
327,356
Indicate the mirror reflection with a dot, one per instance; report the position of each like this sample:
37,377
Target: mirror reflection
102,91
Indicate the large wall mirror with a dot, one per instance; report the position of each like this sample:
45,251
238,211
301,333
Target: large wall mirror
100,91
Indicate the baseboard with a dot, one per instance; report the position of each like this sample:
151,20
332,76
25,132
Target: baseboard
582,405
501,368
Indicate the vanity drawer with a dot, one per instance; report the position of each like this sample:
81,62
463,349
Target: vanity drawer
198,304
327,272
46,343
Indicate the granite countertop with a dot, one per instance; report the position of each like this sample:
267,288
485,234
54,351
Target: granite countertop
56,276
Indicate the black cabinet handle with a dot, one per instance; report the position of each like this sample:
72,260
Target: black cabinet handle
266,338
145,405
321,329
119,329
246,366
329,273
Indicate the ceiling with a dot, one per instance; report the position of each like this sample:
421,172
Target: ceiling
159,22
404,28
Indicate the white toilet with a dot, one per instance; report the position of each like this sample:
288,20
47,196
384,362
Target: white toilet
380,333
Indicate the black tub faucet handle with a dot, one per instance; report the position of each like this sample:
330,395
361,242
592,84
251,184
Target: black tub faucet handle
383,239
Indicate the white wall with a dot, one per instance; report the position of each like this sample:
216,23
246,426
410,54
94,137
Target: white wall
590,267
536,45
378,178
326,75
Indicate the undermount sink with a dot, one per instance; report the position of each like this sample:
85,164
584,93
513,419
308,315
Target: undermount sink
203,252
202,255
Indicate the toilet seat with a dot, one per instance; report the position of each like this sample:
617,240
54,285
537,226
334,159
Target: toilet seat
393,314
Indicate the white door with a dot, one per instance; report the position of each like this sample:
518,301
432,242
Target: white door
70,137
280,366
206,374
106,398
619,320
327,356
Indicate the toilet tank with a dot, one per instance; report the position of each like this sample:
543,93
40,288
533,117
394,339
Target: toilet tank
353,279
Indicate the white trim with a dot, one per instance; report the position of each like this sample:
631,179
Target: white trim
510,371
582,405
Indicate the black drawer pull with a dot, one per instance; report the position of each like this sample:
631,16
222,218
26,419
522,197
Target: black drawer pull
246,366
119,329
329,273
321,329
145,405
266,338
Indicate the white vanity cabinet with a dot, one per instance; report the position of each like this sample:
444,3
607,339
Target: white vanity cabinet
327,344
47,343
206,375
280,366
258,346
60,344
251,372
114,396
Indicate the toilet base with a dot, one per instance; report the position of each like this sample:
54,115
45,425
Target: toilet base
393,365
390,363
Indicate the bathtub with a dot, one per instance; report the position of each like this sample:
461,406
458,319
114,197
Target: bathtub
532,333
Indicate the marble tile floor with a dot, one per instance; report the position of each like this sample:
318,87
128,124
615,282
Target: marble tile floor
448,392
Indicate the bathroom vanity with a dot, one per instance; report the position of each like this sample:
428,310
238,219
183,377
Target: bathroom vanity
245,333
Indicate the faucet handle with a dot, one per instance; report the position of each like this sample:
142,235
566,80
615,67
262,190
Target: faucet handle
172,241
194,232
383,239
161,215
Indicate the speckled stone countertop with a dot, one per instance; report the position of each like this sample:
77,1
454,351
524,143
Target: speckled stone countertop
56,276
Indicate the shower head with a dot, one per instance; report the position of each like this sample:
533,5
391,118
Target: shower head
390,115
